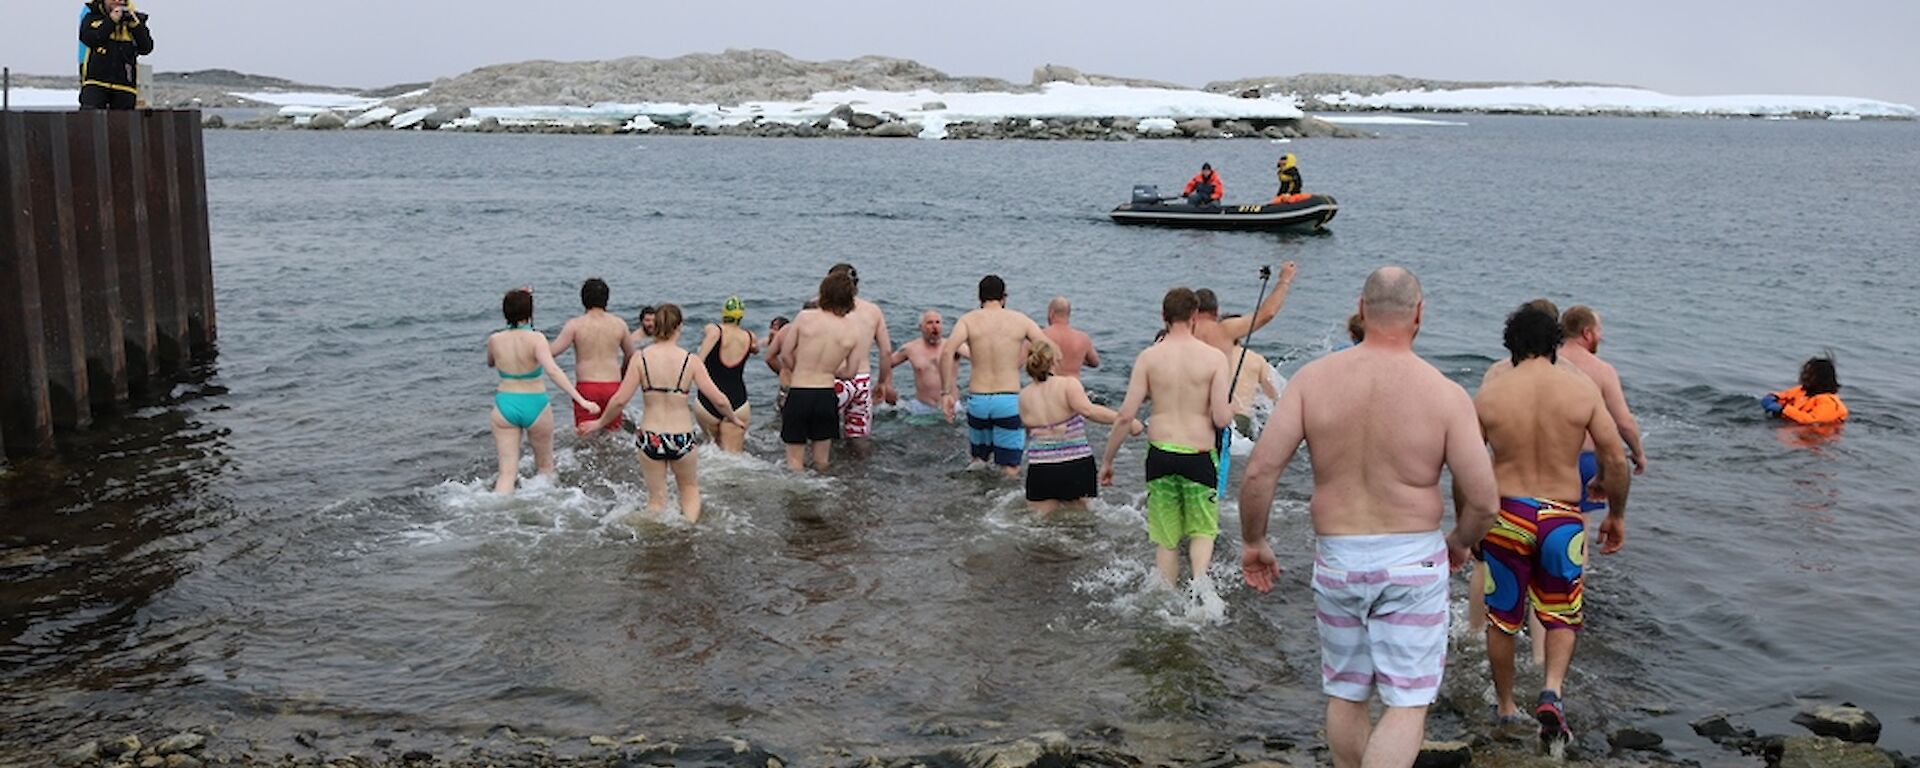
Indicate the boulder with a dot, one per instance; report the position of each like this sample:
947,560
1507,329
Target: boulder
1718,728
213,121
894,130
1274,132
933,106
1194,126
1313,127
125,745
372,117
601,741
865,122
179,742
152,761
1826,752
1057,73
1444,754
1634,739
1238,127
489,125
182,760
80,755
327,120
1845,722
843,113
442,116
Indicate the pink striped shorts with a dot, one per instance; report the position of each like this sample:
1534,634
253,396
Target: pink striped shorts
1381,602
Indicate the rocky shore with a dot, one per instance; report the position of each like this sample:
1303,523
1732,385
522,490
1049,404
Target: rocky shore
1841,737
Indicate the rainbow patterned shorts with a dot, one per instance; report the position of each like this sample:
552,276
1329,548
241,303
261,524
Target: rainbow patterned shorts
1536,554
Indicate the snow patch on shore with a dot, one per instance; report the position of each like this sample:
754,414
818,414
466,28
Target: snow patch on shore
1588,100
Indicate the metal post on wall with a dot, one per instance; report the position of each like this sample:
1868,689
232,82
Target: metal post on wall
6,89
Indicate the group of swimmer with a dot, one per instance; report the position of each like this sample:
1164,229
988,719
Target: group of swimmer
1547,441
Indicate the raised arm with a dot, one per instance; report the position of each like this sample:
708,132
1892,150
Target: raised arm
899,356
1271,455
1614,478
1616,401
1239,327
1476,491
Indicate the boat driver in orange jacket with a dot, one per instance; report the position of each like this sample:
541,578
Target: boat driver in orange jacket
1205,187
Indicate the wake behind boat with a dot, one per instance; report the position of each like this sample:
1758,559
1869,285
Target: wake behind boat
1293,212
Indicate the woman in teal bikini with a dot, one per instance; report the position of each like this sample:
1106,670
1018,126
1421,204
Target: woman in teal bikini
521,354
665,374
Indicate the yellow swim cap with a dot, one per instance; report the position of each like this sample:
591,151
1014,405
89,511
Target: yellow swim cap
1288,161
734,309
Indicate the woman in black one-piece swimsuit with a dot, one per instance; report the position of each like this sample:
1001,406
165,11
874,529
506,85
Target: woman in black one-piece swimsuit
723,342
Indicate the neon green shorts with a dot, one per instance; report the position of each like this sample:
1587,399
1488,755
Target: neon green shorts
1181,500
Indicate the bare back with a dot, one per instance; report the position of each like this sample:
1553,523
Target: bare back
818,344
1185,379
996,338
517,351
599,342
872,325
1378,423
1538,417
1074,346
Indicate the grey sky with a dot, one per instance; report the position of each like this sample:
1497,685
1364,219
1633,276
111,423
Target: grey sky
1860,48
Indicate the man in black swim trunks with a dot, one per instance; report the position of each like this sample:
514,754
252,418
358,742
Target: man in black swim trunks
815,345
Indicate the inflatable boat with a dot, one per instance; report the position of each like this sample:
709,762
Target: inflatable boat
1300,212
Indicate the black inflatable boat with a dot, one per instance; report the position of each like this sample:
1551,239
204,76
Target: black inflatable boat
1310,212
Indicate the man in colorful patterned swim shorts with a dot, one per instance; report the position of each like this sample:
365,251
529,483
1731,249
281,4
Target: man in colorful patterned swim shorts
1537,417
1381,424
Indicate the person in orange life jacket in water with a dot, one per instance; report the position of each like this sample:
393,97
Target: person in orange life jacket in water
1815,401
1205,188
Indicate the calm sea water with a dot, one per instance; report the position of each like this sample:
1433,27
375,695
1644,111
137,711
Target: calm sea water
300,536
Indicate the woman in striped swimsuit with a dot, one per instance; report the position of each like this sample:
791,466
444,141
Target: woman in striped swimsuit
1055,409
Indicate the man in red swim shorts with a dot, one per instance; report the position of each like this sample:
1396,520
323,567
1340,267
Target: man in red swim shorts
600,343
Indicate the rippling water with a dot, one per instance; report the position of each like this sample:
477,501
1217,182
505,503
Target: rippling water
300,536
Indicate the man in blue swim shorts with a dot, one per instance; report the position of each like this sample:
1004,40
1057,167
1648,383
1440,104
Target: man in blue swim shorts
993,335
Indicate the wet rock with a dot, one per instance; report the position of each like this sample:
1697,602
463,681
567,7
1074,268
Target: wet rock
416,756
213,121
182,760
1274,132
1718,728
386,743
306,738
1845,722
80,755
894,130
1238,127
1313,127
1444,754
152,761
1635,739
128,745
1195,126
489,125
638,738
933,106
327,120
601,741
443,116
1825,752
179,742
865,122
1019,754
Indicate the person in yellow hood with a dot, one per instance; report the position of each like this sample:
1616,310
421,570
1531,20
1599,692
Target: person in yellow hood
113,37
1815,401
1288,171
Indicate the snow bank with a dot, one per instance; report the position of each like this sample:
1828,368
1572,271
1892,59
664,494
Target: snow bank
932,110
338,102
1582,100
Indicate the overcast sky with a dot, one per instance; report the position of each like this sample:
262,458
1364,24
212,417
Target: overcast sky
1865,48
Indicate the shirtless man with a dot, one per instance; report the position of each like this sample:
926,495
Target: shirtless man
814,347
1187,380
854,385
923,354
1379,423
997,338
1536,417
1074,345
1581,327
1223,334
643,334
600,347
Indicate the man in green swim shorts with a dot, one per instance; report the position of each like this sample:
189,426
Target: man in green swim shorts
1187,380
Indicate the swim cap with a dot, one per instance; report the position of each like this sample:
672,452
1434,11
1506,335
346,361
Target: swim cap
733,309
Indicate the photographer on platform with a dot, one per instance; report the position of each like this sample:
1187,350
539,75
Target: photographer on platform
115,37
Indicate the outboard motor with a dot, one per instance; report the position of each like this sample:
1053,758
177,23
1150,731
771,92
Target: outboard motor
1146,194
